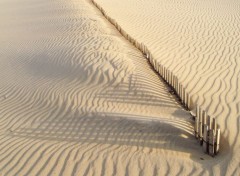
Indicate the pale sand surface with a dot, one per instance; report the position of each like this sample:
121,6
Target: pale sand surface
77,99
199,41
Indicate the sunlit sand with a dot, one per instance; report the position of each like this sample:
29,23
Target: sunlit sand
76,98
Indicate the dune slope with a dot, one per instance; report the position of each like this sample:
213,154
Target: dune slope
77,99
199,41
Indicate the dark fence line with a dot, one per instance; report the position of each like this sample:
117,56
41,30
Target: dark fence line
206,129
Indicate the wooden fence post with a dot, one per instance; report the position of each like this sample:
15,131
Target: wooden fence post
209,122
151,58
163,72
217,140
214,125
147,55
187,100
205,138
169,77
155,64
166,70
183,95
160,68
180,91
178,87
196,127
200,127
166,75
204,118
211,142
197,111
174,82
191,104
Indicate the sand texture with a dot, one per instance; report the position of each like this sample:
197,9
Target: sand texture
76,98
199,41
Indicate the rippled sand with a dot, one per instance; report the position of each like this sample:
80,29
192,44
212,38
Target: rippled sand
77,99
199,41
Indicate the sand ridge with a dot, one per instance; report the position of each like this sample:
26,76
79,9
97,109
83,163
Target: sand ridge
76,98
199,42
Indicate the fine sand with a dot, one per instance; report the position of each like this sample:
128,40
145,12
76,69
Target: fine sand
76,98
199,41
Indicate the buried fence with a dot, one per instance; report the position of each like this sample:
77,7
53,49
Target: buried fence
207,132
206,129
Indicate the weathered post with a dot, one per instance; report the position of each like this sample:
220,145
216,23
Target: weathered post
187,100
176,85
211,142
170,78
200,127
147,55
214,125
142,47
191,104
136,44
196,126
174,82
205,139
204,118
182,92
155,63
150,57
217,141
160,69
179,90
165,73
184,96
209,122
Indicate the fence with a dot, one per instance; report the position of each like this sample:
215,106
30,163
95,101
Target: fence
206,130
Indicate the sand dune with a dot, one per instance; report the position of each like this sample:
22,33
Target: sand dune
76,98
199,42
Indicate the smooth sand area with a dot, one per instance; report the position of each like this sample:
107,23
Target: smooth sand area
77,99
199,41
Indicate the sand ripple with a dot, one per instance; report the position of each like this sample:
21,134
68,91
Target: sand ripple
77,99
199,42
